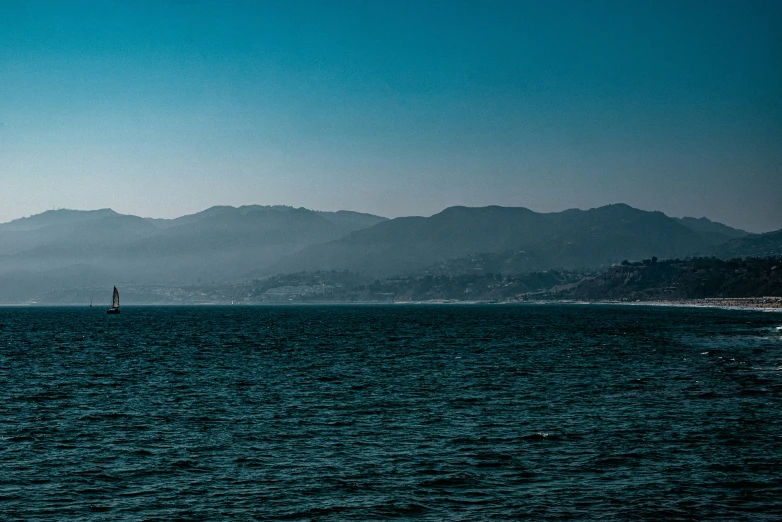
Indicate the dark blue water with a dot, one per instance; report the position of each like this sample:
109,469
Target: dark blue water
367,413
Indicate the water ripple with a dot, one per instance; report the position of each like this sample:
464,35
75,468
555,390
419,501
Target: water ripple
405,412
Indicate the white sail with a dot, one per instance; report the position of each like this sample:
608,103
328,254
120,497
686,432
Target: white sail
115,299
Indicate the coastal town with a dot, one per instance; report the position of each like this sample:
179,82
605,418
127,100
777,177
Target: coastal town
749,283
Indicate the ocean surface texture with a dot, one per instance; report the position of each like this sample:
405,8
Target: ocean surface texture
383,412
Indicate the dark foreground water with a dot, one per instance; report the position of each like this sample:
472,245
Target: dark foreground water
367,413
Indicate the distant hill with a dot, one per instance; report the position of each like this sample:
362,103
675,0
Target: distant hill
349,221
520,239
55,217
217,244
706,226
757,245
684,279
345,219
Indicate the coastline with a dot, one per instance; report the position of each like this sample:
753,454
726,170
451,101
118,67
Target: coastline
760,304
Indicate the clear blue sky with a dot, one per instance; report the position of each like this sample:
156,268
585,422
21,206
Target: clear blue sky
395,107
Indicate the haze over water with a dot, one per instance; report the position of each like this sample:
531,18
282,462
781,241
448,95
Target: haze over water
375,412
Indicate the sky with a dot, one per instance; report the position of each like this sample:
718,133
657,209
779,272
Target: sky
396,108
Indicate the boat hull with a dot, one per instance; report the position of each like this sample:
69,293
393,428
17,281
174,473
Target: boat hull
112,311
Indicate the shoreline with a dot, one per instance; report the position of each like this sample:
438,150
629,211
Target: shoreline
760,304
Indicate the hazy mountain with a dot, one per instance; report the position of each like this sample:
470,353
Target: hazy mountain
66,249
40,239
707,226
216,244
571,239
756,245
55,217
350,221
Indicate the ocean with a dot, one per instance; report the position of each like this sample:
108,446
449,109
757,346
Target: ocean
449,412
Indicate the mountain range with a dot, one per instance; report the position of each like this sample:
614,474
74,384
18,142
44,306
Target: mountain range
70,248
520,239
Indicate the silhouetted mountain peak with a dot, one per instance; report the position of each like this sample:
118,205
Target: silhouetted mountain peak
622,209
56,217
704,225
486,211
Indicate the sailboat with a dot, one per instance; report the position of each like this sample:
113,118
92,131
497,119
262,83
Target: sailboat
114,303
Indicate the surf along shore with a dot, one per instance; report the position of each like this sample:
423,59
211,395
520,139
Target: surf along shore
770,303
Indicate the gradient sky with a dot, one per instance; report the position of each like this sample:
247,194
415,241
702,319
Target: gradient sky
396,108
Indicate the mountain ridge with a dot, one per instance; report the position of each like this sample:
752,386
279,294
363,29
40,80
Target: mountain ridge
217,243
570,239
65,248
